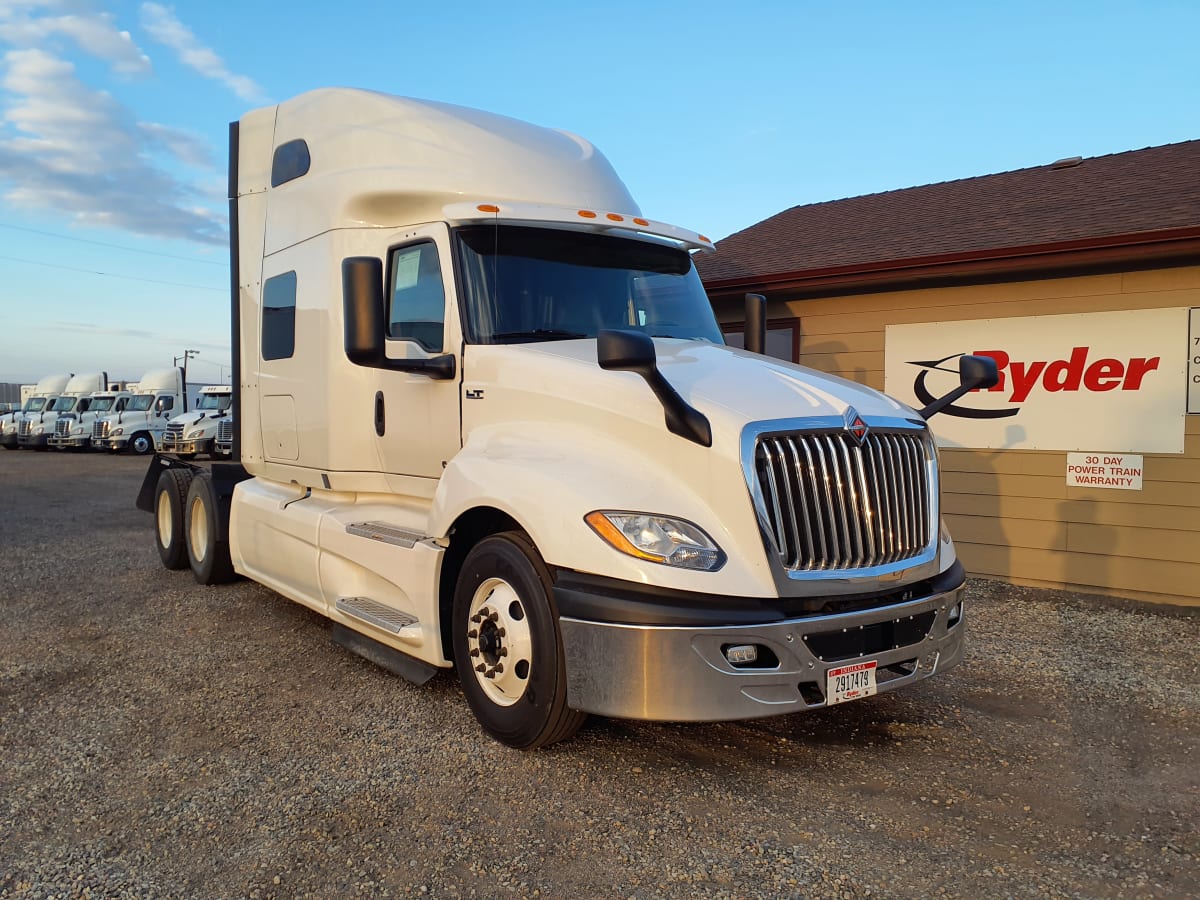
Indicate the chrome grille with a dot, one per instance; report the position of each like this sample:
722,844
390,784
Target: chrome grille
100,429
62,426
225,431
26,427
173,435
832,504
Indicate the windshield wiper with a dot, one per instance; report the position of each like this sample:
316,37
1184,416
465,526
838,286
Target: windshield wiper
538,334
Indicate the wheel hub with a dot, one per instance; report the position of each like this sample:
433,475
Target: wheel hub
499,642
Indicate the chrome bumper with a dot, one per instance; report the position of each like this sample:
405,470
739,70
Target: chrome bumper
681,674
203,445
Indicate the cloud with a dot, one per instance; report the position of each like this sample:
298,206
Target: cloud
92,330
163,25
37,22
77,150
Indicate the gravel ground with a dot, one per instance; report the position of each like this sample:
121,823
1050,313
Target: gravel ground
159,738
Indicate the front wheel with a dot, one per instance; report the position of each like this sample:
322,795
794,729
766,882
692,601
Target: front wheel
507,647
141,443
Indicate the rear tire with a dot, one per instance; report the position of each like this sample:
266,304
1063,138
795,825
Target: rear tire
170,497
208,557
507,647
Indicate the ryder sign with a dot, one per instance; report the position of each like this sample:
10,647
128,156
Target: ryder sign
1113,381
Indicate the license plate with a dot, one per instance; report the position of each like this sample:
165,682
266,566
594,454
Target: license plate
851,682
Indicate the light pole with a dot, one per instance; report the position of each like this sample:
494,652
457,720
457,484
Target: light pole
187,354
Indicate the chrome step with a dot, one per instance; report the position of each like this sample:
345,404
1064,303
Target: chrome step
388,534
375,613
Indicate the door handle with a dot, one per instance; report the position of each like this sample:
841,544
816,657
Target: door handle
380,417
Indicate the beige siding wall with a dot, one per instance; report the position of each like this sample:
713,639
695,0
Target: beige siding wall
1011,513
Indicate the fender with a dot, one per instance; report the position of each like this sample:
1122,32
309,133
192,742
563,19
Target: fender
549,479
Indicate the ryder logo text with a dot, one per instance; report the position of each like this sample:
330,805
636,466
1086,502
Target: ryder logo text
1019,379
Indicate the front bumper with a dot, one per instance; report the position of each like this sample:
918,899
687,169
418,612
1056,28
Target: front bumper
680,673
70,443
34,440
203,445
9,440
113,444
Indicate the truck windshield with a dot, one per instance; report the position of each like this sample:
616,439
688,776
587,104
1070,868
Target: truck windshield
214,401
34,404
140,403
542,284
102,404
62,404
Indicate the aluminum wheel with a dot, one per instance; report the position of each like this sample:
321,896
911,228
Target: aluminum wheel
198,530
499,642
164,519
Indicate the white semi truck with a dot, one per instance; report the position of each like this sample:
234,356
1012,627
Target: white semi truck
140,426
32,411
75,398
485,419
73,430
196,432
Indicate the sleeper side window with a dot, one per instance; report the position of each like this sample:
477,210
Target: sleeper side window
279,316
417,299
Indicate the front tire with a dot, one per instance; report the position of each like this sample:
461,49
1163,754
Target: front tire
141,443
507,647
208,557
170,499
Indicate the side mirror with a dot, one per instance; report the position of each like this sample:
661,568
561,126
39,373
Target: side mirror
362,309
633,351
626,351
974,372
363,314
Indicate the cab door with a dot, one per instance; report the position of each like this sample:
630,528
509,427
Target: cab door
417,419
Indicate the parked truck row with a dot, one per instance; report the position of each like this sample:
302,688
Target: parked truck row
160,412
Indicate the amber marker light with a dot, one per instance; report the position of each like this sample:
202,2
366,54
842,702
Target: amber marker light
607,530
488,208
643,222
706,240
657,539
615,218
587,214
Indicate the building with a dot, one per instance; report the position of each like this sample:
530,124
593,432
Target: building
1075,472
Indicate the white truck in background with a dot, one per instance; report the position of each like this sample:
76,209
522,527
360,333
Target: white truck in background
73,430
224,443
196,432
485,419
74,398
139,427
32,408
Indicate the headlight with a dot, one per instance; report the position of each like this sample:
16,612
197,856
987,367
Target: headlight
659,539
39,429
117,431
192,435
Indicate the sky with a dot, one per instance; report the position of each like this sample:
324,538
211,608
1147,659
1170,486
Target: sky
113,136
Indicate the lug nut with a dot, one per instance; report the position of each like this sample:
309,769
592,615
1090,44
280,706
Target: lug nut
475,652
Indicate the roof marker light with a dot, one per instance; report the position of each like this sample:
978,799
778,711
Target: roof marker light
706,240
615,218
643,222
587,214
488,208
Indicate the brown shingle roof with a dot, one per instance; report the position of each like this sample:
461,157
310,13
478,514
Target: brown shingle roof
1097,199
